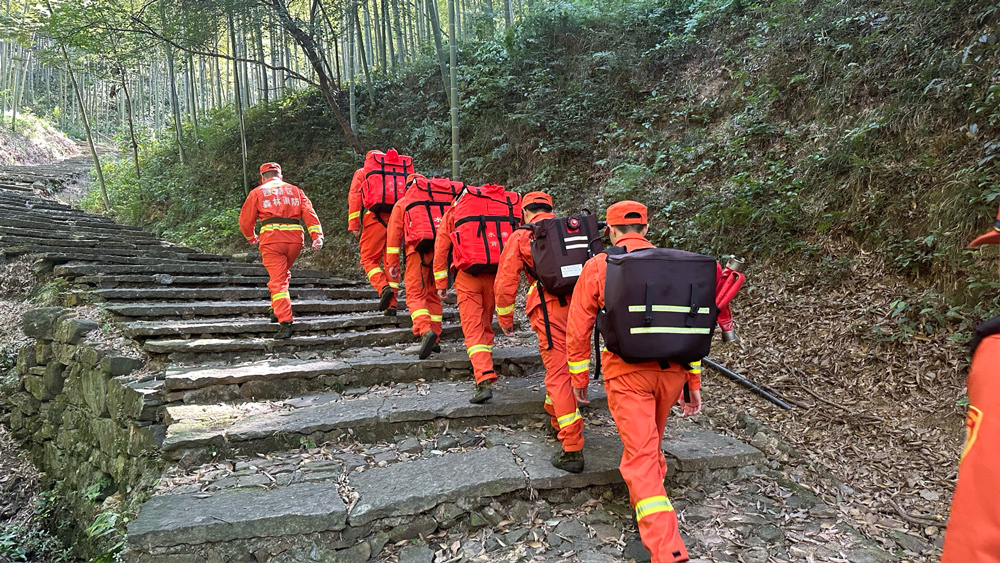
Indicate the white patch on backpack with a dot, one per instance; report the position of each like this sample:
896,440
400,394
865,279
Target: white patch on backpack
571,271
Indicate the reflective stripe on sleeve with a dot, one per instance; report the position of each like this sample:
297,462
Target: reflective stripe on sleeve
441,275
392,250
652,505
505,310
548,399
354,216
695,367
579,367
316,229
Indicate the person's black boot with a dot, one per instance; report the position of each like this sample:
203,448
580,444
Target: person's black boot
427,344
568,461
390,312
270,312
385,298
484,392
284,331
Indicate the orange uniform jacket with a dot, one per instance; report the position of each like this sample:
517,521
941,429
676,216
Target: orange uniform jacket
442,249
973,532
588,300
275,199
354,200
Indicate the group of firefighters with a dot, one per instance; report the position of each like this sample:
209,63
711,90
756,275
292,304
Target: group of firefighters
655,308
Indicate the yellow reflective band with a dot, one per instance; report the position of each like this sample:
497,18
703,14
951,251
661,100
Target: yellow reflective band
392,250
478,348
666,309
280,227
277,296
436,318
567,419
505,310
652,505
394,285
668,330
316,229
579,367
530,289
419,312
695,367
440,275
354,216
548,400
373,271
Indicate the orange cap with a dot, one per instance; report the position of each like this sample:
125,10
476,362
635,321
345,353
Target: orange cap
536,197
618,211
270,167
991,237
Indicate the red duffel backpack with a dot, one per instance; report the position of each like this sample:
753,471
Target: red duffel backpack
385,179
484,219
422,216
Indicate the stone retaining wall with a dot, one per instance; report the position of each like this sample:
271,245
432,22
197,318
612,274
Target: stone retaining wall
89,426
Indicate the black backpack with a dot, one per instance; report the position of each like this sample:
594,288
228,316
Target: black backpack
559,248
659,305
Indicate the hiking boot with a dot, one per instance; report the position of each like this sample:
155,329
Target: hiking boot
284,331
385,298
427,344
484,392
436,349
270,312
568,461
391,312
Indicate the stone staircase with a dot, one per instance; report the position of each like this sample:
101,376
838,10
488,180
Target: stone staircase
328,446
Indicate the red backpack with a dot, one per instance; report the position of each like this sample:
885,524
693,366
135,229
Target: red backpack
385,179
484,219
422,216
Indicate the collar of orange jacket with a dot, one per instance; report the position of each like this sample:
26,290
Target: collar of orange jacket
542,216
634,241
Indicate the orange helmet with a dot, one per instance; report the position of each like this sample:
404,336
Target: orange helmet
991,237
270,167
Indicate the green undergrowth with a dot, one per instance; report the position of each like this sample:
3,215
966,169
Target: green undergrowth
798,132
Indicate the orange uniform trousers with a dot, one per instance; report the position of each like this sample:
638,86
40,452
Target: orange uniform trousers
278,258
421,297
475,310
640,402
973,532
560,402
373,233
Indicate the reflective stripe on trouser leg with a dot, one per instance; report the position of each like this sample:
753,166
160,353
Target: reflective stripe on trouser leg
558,383
475,308
421,295
278,258
640,402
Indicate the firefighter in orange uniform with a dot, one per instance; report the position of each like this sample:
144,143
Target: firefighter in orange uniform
560,402
421,297
973,532
640,395
280,208
370,227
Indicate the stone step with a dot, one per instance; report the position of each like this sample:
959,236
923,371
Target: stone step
164,280
17,240
297,500
205,348
16,187
201,309
100,260
39,234
106,227
285,378
93,254
334,323
224,293
196,432
177,269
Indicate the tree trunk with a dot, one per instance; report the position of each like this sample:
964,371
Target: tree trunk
86,128
239,106
454,91
175,106
508,14
19,89
364,61
435,21
131,123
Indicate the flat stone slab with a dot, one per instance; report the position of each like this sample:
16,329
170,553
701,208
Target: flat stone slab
694,449
227,308
180,268
155,280
144,329
224,293
233,514
370,366
602,455
369,338
411,488
513,398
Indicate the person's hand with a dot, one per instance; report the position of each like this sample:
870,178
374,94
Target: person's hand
581,395
255,241
356,232
394,272
443,293
694,406
317,243
508,330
